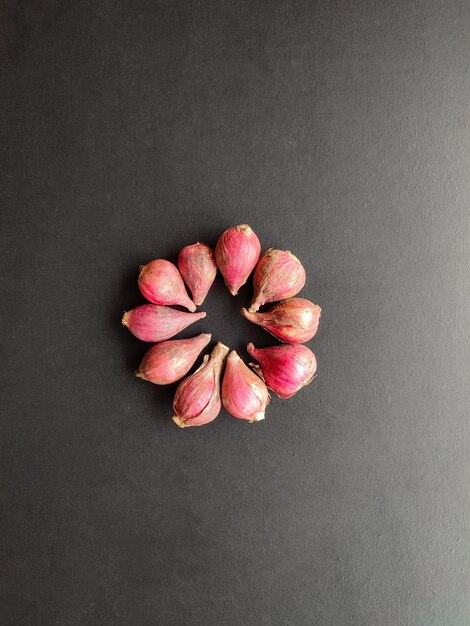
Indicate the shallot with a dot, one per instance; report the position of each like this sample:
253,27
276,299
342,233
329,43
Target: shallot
278,275
160,283
236,253
197,398
294,320
167,362
286,368
151,322
244,394
197,266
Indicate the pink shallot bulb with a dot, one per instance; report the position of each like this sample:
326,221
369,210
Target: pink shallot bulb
151,322
294,320
236,253
278,275
244,394
197,266
167,362
285,369
197,398
161,283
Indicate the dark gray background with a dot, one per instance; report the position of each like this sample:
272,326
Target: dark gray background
338,130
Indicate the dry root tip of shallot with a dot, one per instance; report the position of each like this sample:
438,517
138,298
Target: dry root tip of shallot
178,421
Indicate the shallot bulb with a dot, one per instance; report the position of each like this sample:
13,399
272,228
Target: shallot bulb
161,283
278,275
294,320
236,253
197,266
285,369
244,394
197,398
167,362
151,322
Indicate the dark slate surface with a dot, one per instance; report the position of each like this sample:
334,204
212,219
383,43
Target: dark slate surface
338,130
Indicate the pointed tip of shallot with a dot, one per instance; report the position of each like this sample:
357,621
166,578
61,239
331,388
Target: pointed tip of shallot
259,416
125,319
247,313
292,256
257,370
139,374
233,292
250,348
220,351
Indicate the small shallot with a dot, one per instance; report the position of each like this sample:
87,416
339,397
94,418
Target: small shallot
294,320
278,275
197,398
197,266
167,362
236,253
244,394
161,283
285,369
151,322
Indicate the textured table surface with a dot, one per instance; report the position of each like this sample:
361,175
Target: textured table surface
338,130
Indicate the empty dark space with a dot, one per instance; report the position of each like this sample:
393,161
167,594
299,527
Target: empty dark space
338,130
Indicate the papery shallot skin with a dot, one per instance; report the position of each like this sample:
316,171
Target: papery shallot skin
152,322
196,264
278,275
161,283
197,399
167,362
236,253
244,394
294,320
286,368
